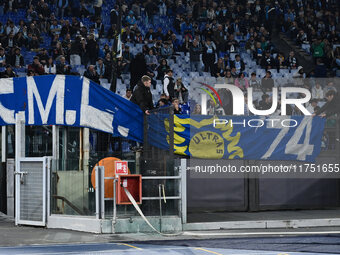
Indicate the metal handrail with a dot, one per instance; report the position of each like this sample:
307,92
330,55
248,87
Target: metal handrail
64,199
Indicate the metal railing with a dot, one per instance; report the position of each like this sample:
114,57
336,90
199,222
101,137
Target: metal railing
100,199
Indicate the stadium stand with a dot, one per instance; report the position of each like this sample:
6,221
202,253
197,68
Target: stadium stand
201,41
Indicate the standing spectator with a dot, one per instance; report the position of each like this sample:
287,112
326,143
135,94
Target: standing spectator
318,49
267,82
219,39
91,49
99,26
62,8
169,85
331,107
181,92
142,95
108,66
98,8
258,53
138,68
161,69
150,8
76,52
195,54
209,56
162,8
127,58
114,13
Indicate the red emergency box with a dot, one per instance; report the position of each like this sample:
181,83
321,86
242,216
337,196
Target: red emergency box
133,183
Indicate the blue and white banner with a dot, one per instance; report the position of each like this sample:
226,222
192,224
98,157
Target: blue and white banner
244,137
71,101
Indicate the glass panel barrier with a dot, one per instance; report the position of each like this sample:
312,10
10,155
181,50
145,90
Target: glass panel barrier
73,191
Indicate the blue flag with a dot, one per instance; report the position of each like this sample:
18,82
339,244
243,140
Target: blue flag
70,101
244,137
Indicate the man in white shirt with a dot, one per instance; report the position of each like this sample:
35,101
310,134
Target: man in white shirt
169,85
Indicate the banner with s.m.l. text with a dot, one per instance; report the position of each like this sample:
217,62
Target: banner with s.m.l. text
71,101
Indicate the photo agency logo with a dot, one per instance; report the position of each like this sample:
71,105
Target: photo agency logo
240,101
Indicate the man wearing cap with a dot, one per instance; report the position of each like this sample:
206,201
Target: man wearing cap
142,95
169,85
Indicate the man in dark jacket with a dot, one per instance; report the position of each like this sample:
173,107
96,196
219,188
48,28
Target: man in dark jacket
8,73
17,60
195,61
238,64
92,74
331,107
138,68
142,95
267,61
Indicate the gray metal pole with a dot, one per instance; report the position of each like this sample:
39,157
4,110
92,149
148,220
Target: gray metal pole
160,206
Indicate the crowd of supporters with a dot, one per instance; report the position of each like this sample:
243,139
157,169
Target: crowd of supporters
211,33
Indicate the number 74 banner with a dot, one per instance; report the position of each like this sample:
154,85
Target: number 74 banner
248,137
